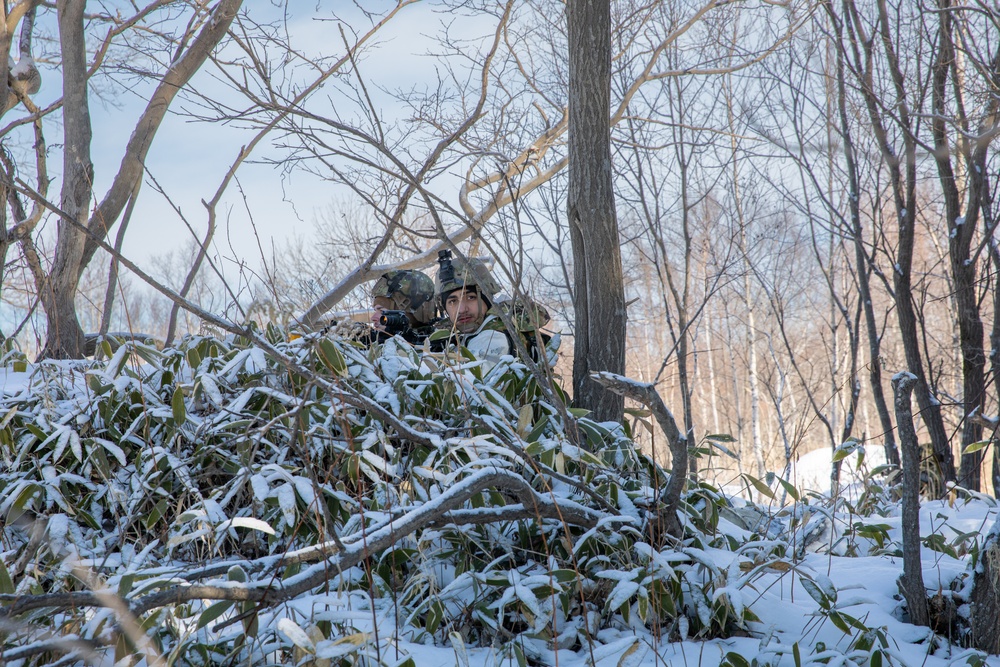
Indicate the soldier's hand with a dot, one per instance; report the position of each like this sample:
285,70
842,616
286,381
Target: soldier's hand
349,329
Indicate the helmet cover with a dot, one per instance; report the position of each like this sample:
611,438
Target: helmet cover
473,273
410,291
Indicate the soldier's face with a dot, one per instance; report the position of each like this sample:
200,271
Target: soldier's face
380,304
465,310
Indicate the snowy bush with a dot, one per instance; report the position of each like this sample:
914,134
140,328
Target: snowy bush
260,501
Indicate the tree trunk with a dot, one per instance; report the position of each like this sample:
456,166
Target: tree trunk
599,295
994,252
911,584
985,597
64,337
713,385
757,443
961,228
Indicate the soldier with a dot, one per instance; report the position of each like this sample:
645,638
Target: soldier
403,304
468,292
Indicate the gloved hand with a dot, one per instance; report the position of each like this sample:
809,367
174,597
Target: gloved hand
350,330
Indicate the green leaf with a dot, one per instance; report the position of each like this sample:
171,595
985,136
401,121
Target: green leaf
534,449
235,425
237,573
976,446
725,450
720,437
733,659
177,403
578,412
760,486
841,454
213,612
9,416
838,620
538,429
250,624
565,576
519,656
789,489
440,334
155,514
595,435
331,357
434,616
23,498
150,355
6,584
796,655
152,585
815,592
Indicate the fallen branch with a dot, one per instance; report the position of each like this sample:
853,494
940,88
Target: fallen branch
329,559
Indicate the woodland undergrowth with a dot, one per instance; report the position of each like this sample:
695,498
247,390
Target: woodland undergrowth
255,501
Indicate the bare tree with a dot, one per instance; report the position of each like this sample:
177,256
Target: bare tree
869,42
964,178
79,229
512,152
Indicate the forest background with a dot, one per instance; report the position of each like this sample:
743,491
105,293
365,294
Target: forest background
804,190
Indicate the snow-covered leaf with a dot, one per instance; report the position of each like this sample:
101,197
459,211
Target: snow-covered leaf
621,594
246,522
296,635
286,500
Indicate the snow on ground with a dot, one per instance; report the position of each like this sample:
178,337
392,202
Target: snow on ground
789,619
863,588
13,383
812,470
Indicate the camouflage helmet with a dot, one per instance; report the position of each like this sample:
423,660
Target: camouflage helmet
473,273
410,291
